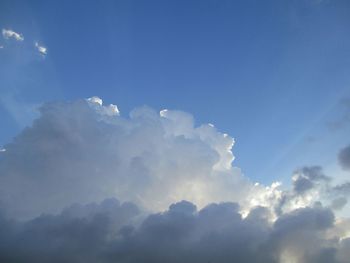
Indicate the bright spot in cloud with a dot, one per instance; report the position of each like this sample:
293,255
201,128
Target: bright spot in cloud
95,100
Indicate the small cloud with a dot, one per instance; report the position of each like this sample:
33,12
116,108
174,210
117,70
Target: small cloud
8,33
344,158
95,100
42,50
1,46
97,103
2,150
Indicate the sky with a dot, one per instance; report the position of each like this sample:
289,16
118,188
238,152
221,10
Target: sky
134,126
267,73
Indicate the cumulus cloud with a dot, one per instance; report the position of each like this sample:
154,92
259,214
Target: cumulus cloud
10,34
84,151
87,154
42,50
307,178
113,232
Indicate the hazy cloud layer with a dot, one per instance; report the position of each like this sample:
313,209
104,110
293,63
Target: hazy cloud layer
59,179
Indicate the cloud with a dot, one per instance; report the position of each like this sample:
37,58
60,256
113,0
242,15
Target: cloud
344,158
113,232
60,177
8,33
306,178
42,50
84,151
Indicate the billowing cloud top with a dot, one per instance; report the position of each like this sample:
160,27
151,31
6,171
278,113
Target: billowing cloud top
8,33
149,158
59,179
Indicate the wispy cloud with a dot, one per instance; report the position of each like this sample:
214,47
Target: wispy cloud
42,50
8,33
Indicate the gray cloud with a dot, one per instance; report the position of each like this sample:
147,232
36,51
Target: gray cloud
307,177
216,233
344,158
84,152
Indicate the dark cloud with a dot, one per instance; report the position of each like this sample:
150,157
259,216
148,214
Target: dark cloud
108,232
339,203
306,178
344,158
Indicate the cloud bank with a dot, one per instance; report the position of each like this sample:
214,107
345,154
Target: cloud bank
112,232
60,177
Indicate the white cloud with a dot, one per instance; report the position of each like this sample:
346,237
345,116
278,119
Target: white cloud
148,159
85,152
42,50
8,33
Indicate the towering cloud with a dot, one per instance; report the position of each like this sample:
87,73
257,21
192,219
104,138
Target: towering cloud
59,179
84,151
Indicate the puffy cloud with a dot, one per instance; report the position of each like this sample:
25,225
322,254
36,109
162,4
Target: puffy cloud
87,154
8,33
307,178
113,232
344,158
42,50
84,151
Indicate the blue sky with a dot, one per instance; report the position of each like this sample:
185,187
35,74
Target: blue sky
272,74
